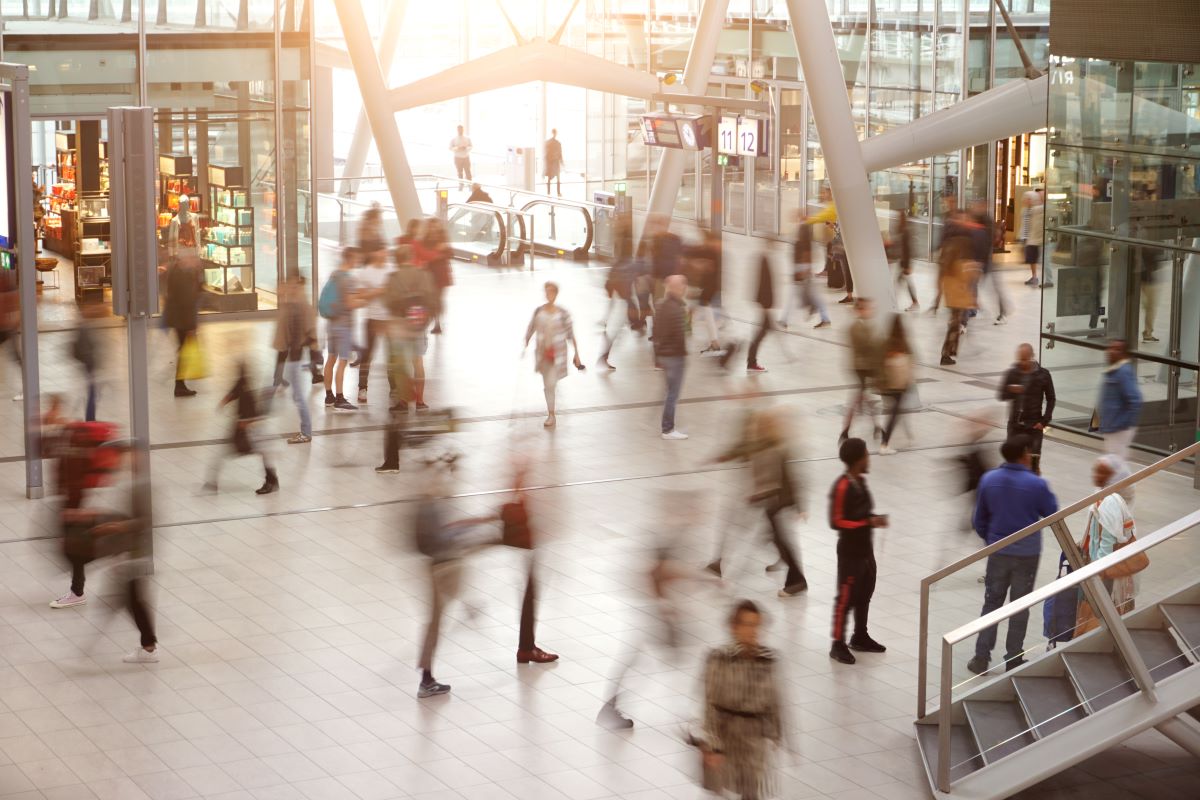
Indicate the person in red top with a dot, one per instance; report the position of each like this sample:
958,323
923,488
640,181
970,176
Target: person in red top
852,515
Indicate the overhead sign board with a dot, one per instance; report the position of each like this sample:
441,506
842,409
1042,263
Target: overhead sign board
677,131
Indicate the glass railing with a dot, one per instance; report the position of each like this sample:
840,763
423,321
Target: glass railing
565,228
1128,650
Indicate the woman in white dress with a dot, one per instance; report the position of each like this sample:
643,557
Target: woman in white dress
552,324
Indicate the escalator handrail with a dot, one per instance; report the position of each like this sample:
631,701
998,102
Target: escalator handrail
590,228
484,207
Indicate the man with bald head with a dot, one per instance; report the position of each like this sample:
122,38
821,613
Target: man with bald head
670,347
1030,391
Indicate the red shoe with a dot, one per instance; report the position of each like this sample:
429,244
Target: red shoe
537,655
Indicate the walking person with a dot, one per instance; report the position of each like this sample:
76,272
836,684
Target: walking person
434,254
1033,233
1009,499
181,310
292,335
864,358
959,277
1028,388
764,445
518,533
742,709
86,351
337,303
1110,526
706,268
621,288
315,363
852,515
982,227
460,146
804,289
1120,401
670,348
666,249
902,245
249,412
370,231
372,282
552,160
765,298
895,378
552,324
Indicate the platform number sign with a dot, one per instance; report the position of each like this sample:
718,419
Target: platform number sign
741,136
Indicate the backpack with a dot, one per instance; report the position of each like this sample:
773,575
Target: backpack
330,302
1060,610
407,303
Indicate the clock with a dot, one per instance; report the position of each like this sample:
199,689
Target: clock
687,131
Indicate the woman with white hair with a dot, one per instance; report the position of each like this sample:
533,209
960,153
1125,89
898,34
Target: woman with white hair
1110,526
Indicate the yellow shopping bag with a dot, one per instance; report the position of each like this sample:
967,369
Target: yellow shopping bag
192,365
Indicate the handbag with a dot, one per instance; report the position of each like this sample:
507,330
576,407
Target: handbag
1130,566
1085,618
515,532
192,365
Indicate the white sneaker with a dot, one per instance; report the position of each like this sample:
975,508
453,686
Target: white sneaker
887,450
675,436
1001,320
142,656
18,398
67,600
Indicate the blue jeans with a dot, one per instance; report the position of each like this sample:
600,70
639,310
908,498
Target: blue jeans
1014,576
673,367
89,414
291,373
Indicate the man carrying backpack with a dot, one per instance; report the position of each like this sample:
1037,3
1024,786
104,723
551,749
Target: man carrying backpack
411,299
337,303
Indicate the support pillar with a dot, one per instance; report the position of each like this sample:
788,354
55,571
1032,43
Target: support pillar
356,159
843,156
695,81
380,113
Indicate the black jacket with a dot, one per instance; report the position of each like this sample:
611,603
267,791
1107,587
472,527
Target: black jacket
802,248
765,296
708,276
670,335
1026,408
664,255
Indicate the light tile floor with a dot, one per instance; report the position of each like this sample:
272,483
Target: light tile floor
290,624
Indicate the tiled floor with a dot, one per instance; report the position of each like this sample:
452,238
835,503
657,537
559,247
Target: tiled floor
290,624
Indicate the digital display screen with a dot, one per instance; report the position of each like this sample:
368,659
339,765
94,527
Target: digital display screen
648,132
666,132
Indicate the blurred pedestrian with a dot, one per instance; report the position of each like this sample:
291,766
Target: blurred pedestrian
852,515
434,254
902,249
1029,390
293,333
666,248
181,311
337,303
670,348
370,230
959,281
895,378
1010,498
764,444
982,228
1120,401
706,268
413,232
804,289
552,324
519,533
864,360
85,349
552,160
764,297
249,412
298,294
742,709
371,282
478,195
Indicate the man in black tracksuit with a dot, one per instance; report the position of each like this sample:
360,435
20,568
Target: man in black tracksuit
1029,387
851,514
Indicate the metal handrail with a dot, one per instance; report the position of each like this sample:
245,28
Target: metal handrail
1104,609
506,215
1029,530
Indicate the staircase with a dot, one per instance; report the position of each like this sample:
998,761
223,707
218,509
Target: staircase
1077,700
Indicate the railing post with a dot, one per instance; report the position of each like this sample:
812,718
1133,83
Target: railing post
944,721
923,648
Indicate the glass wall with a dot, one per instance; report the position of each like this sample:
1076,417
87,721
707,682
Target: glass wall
229,82
1123,238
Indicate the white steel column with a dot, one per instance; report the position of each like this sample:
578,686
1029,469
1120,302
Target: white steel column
379,110
356,159
695,81
826,86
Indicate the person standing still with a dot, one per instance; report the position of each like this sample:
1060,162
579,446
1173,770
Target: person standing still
460,145
1029,390
372,280
552,161
337,305
1033,233
1120,401
670,348
1010,498
852,515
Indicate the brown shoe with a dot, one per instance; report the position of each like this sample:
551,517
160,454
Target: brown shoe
537,655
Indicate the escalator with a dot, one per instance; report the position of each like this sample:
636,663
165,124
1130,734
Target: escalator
561,228
477,232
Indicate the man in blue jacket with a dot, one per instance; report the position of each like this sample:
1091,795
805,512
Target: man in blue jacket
1120,401
1010,497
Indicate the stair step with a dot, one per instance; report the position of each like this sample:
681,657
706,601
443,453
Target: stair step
1160,652
1000,727
1185,619
1050,703
964,753
1100,678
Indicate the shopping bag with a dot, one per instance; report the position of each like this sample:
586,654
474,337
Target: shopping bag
192,365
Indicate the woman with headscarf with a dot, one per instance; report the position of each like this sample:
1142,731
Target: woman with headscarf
1110,526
